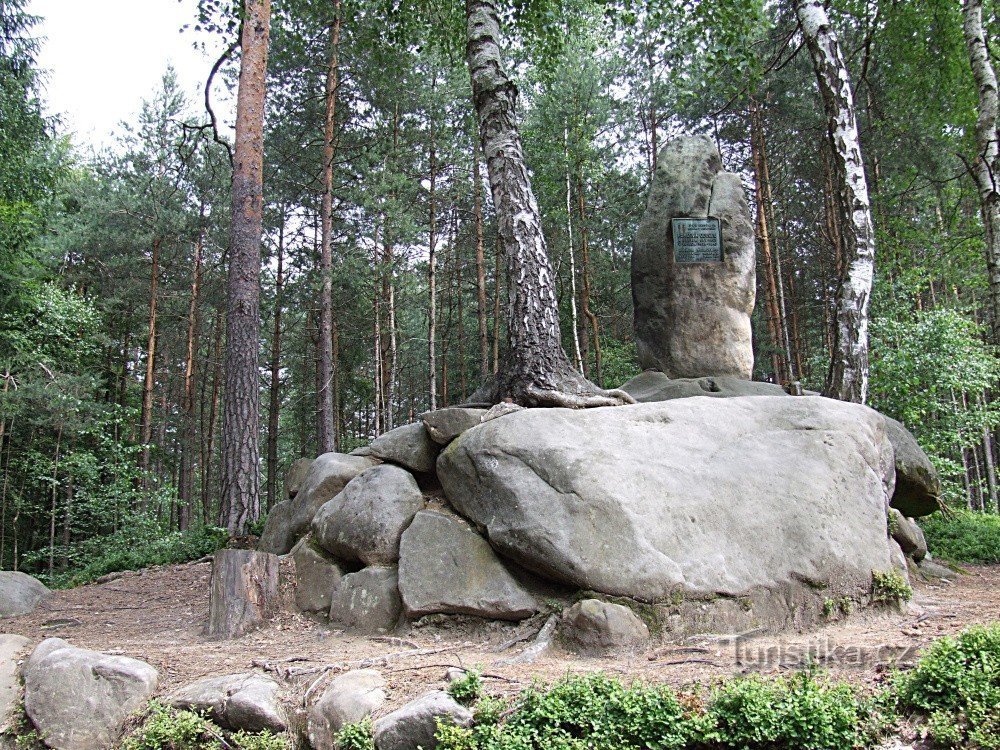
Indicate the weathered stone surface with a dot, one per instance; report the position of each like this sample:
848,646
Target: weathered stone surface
918,487
908,535
79,699
412,727
652,385
249,702
348,699
317,576
693,320
931,569
593,627
289,520
698,494
20,593
898,558
445,566
409,446
12,648
295,476
444,425
367,601
365,521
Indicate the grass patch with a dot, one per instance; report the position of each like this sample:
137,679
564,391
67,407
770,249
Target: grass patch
963,536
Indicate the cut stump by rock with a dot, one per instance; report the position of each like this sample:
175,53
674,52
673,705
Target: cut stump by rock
244,592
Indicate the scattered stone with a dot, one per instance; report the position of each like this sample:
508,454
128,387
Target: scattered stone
348,699
12,648
445,566
705,495
444,425
539,646
367,601
693,319
317,576
932,569
652,385
295,477
409,446
413,726
20,594
289,520
908,535
79,699
918,487
454,674
365,522
243,593
249,702
593,627
500,410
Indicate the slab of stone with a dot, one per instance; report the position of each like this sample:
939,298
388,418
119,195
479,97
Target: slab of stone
413,726
79,699
408,446
249,702
289,520
593,627
367,601
296,476
445,566
20,594
908,535
693,319
918,486
931,569
317,576
348,699
652,385
12,649
365,521
444,425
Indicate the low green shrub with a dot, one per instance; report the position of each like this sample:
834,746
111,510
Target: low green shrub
889,587
358,736
141,544
963,536
164,728
956,685
467,689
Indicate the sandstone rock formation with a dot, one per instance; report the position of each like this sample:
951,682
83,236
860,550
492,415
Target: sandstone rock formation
12,648
349,698
20,593
367,601
248,702
693,319
413,726
444,425
317,576
593,627
409,446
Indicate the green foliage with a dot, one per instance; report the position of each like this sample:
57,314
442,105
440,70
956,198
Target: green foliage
258,741
142,543
889,587
956,685
467,689
357,736
963,536
164,728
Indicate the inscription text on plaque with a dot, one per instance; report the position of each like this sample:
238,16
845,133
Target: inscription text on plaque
697,240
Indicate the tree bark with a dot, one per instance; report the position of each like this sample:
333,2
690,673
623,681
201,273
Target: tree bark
848,376
588,313
432,277
484,339
186,488
241,404
146,418
243,593
537,371
326,437
987,163
274,402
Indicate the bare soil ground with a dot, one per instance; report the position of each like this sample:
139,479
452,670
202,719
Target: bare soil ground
157,615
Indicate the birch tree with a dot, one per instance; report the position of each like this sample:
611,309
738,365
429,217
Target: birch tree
848,374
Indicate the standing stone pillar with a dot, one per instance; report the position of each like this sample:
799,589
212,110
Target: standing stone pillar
694,267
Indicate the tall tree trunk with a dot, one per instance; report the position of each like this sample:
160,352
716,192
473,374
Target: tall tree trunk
274,402
848,376
578,358
588,313
146,418
537,371
432,274
208,461
987,164
326,441
477,195
188,449
240,495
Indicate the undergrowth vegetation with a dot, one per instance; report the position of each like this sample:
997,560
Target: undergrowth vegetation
963,536
164,728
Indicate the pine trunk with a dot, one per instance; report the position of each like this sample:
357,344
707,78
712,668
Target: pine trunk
186,489
146,418
274,402
243,593
484,339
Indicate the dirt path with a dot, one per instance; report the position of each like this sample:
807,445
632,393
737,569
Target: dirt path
157,615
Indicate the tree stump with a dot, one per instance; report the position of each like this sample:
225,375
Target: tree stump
244,592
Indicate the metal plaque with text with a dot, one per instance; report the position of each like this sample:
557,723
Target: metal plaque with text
697,240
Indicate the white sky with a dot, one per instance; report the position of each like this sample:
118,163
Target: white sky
103,57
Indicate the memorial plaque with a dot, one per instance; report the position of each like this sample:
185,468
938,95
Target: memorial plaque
697,240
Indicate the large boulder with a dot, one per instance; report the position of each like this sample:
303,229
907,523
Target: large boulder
706,496
296,476
289,520
908,535
12,648
20,593
918,487
365,522
348,699
79,699
445,566
413,726
317,576
409,446
593,627
444,425
693,319
248,702
367,601
652,385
